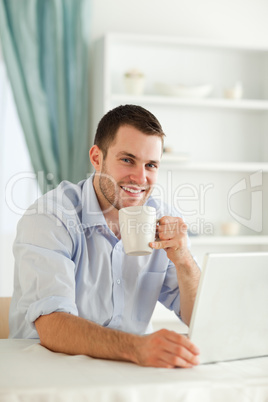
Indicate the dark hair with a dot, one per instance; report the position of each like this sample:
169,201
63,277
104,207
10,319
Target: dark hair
131,115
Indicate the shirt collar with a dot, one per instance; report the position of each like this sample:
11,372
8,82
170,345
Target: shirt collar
91,212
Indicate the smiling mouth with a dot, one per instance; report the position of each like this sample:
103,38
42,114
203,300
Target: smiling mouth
133,190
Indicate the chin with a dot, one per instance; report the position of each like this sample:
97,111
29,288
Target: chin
125,202
133,203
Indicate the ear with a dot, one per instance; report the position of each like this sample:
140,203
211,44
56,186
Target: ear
96,157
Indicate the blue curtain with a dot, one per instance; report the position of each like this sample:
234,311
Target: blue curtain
45,46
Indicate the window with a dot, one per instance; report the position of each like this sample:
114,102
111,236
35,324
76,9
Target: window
18,185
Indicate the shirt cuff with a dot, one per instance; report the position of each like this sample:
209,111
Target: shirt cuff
50,305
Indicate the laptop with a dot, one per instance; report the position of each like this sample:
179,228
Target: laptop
230,314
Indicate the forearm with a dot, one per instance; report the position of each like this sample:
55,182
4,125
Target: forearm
66,333
188,274
62,332
172,237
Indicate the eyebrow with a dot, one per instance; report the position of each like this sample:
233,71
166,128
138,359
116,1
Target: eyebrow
129,155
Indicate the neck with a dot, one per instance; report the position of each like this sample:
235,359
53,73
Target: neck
109,212
112,220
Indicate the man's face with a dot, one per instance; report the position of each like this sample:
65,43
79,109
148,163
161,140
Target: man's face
130,169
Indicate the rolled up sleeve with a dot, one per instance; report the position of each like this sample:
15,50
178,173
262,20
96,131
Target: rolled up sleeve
46,272
170,293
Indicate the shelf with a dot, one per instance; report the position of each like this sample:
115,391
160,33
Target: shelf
176,163
229,240
215,139
241,104
178,41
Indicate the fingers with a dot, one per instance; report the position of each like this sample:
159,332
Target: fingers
182,340
171,234
183,351
165,235
164,244
168,349
180,357
170,223
170,361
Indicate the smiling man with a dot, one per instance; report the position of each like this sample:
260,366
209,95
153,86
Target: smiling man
75,287
126,175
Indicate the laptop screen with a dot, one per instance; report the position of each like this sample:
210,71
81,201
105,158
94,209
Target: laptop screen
230,315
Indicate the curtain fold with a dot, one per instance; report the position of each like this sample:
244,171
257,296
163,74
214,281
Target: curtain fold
45,46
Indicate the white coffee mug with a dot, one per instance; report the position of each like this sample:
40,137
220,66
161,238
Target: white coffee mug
137,228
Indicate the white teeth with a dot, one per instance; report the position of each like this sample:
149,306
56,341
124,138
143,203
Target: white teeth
131,190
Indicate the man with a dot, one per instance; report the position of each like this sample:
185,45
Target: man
75,287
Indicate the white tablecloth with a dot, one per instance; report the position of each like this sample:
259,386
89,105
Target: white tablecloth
31,373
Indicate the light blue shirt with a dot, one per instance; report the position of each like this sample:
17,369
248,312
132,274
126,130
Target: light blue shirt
67,259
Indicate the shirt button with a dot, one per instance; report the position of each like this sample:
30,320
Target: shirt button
118,281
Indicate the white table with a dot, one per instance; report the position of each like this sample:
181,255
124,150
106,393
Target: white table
31,373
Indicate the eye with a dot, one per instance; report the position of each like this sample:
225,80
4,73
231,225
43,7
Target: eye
152,166
127,160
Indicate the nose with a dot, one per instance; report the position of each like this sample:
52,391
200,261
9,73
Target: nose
138,175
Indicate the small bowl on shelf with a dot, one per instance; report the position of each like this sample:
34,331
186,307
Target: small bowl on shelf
134,82
230,228
235,92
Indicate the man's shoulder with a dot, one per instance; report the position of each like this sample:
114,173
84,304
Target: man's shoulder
64,196
63,201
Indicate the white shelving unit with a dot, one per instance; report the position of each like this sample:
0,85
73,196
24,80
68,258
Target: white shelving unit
218,144
229,240
172,162
243,104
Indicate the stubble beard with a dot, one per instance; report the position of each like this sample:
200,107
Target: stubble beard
110,190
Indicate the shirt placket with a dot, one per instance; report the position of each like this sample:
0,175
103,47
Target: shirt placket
118,290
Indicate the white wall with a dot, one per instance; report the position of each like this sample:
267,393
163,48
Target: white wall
243,21
230,21
17,187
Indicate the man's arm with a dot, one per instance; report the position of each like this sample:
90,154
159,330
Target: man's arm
172,234
66,333
188,275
